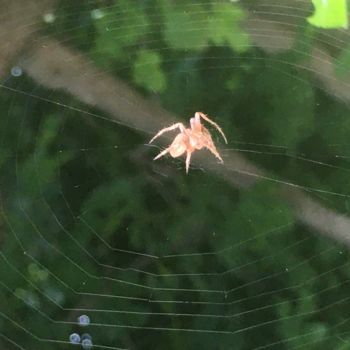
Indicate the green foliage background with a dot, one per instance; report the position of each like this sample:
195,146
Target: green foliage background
75,190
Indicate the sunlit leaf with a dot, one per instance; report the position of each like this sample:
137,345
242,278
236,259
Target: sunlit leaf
329,14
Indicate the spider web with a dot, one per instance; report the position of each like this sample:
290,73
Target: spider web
249,255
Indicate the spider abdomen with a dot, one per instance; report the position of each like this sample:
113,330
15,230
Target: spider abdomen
179,145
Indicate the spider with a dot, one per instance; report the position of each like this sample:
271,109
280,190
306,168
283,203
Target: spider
190,139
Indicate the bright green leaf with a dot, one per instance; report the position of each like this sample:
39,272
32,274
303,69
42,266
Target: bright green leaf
329,14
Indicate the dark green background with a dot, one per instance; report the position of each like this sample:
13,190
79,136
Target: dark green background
218,267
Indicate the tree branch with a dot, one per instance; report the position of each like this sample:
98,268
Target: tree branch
58,67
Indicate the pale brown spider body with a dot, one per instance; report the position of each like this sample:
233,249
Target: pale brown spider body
190,139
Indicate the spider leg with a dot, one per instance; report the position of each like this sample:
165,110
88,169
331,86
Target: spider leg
169,128
188,159
199,115
211,147
161,154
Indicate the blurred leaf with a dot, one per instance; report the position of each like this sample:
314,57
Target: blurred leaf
329,14
271,214
261,204
225,27
27,297
342,64
108,205
116,33
289,106
183,27
36,273
346,343
147,71
195,27
40,169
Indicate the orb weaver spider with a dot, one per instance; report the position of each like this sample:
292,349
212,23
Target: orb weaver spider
190,139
